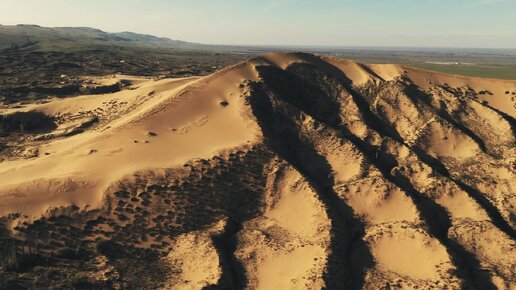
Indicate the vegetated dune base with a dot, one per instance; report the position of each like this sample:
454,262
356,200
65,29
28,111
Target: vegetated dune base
287,171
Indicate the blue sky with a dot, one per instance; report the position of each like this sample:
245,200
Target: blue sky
427,23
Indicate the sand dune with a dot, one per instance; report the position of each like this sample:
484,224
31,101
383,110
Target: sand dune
287,171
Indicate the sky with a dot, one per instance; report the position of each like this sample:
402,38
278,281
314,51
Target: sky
407,23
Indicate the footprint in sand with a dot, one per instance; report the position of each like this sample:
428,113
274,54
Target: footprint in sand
190,125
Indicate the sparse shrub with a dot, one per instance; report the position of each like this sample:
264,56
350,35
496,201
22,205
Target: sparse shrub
78,280
122,194
8,282
109,249
5,280
107,89
29,261
12,260
51,274
485,92
26,122
9,255
69,254
81,281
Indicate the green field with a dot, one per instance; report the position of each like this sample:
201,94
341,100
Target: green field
485,63
507,72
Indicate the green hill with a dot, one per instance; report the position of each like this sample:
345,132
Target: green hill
34,37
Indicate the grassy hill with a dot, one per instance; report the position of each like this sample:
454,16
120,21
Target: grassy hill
34,37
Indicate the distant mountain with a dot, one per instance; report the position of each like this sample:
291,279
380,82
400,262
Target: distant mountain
23,36
145,37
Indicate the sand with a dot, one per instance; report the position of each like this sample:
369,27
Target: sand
287,171
286,248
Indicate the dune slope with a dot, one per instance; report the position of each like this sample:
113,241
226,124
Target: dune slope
287,171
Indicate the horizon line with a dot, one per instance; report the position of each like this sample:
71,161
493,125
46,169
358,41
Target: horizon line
309,46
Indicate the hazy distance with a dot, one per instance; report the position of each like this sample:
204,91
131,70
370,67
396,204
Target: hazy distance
399,23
